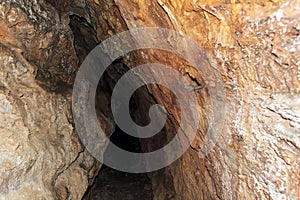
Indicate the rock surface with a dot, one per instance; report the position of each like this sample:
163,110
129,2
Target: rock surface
254,45
41,155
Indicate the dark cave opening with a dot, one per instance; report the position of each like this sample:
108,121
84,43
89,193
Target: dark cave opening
125,141
111,184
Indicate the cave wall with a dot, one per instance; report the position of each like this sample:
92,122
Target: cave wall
41,156
254,45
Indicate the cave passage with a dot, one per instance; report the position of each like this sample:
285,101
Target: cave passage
111,184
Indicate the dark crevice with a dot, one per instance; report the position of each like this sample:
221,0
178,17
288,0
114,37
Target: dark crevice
115,185
85,36
125,141
111,184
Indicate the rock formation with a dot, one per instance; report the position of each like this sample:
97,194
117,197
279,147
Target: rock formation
253,45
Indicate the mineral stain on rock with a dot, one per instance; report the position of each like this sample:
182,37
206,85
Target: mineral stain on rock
253,45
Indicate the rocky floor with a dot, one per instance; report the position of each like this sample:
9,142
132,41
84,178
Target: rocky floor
115,185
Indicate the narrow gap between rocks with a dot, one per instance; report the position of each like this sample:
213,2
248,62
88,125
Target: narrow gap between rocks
111,184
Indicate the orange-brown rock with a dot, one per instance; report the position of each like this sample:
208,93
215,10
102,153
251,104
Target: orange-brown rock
254,45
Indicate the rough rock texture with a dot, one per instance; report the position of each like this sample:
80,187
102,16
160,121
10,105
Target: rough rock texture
254,45
41,156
